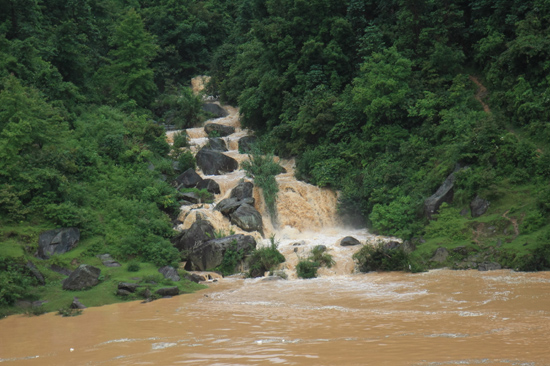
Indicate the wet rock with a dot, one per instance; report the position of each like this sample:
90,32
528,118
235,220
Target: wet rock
57,241
216,144
246,143
488,266
193,277
479,206
128,286
76,304
222,130
168,291
214,109
36,273
349,241
247,218
242,190
228,206
170,273
210,185
200,232
191,197
83,277
210,254
443,194
440,255
215,163
189,178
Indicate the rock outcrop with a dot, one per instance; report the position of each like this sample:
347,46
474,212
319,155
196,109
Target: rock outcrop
215,163
222,130
57,241
214,109
210,254
83,277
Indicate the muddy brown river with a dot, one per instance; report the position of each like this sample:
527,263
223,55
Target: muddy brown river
437,318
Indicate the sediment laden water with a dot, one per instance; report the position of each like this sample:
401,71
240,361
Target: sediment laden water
437,318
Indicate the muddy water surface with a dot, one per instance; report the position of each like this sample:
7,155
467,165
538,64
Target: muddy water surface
436,318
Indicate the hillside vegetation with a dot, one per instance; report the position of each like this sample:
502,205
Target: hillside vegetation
381,100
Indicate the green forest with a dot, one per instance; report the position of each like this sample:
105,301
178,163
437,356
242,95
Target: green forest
380,100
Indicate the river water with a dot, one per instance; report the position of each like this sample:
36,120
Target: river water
341,318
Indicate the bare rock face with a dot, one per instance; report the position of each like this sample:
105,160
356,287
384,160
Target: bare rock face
83,277
247,218
57,241
222,130
215,163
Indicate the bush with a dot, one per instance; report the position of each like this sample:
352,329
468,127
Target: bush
15,281
307,269
178,106
133,266
264,259
186,160
539,260
381,258
231,259
180,140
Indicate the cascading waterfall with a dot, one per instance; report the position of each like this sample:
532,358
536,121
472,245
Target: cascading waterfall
306,214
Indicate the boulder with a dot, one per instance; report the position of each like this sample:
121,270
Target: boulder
83,277
168,291
440,255
200,232
36,273
443,194
246,143
242,190
479,206
189,178
191,197
215,163
57,241
210,185
228,206
214,109
216,144
122,292
349,241
193,277
76,304
170,273
408,246
247,218
108,261
128,286
488,266
222,130
210,254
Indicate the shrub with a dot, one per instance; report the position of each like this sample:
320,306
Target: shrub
15,281
307,268
539,260
186,160
67,311
133,266
381,258
231,259
264,259
180,140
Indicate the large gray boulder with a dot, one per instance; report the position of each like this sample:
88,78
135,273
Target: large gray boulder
242,190
170,273
210,185
168,291
199,232
210,254
83,277
478,206
247,218
222,130
228,206
443,194
214,109
215,163
246,143
189,178
216,144
57,241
